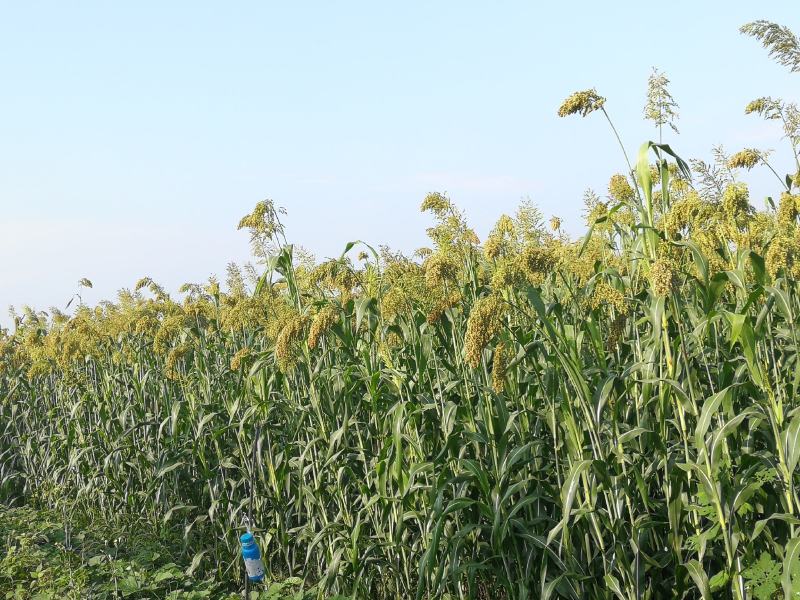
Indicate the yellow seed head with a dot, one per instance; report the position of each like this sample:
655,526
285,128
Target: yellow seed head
323,321
759,105
780,255
173,358
537,262
385,353
39,367
485,320
582,103
239,358
492,247
449,301
744,159
508,273
288,339
736,201
788,210
471,238
499,365
439,269
686,213
605,294
170,327
597,212
263,220
663,278
394,302
200,309
212,288
680,186
619,188
335,275
393,340
436,203
142,283
501,238
505,225
555,223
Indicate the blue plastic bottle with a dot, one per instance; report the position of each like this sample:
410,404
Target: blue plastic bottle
252,557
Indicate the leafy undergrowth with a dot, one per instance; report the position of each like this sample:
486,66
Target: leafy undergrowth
40,558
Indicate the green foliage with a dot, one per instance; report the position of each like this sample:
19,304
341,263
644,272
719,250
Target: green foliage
42,556
763,578
534,417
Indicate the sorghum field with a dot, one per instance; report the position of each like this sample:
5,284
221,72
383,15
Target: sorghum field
525,416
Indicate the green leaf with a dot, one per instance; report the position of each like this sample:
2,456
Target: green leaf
710,407
613,585
195,563
568,491
742,332
699,577
163,575
759,268
791,568
760,525
169,468
791,443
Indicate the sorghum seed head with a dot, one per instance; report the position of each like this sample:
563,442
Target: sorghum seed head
286,343
788,210
662,278
736,201
581,103
744,159
499,365
620,189
323,321
485,320
439,268
449,301
239,357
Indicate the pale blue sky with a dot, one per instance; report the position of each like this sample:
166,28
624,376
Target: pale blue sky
133,136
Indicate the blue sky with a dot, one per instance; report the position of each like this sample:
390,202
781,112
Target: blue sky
133,136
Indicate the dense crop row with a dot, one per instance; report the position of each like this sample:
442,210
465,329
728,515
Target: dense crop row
528,416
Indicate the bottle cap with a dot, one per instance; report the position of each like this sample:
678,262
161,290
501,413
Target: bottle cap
247,538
